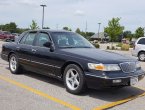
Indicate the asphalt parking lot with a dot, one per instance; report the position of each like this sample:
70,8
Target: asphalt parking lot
30,91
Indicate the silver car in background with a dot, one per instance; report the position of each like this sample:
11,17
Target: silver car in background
139,49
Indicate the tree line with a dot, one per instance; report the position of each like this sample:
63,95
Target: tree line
114,30
12,27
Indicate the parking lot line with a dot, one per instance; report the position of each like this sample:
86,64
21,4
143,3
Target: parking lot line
39,93
113,104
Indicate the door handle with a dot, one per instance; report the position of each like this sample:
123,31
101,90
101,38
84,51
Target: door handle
33,50
18,48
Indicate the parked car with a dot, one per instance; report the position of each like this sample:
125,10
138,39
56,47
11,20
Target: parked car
139,49
16,36
71,58
4,35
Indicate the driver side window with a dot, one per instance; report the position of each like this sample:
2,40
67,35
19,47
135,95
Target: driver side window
42,39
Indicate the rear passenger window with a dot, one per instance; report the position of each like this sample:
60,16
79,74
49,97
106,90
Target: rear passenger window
28,38
23,39
142,41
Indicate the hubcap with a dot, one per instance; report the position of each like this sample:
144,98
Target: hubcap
142,57
13,63
72,79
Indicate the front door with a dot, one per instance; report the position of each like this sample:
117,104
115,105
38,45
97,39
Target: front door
43,59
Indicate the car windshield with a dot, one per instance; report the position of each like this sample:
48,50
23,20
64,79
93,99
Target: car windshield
70,40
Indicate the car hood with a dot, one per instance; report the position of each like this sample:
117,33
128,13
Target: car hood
97,55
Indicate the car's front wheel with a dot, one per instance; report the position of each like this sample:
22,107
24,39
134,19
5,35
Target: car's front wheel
141,56
74,79
14,65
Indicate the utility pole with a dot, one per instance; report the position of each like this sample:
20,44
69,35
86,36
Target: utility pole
99,30
43,6
144,31
86,27
57,26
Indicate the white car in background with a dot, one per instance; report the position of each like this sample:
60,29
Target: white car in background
139,49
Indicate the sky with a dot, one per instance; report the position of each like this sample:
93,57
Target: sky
74,13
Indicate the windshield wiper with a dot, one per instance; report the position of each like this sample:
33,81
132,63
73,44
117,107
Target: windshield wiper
67,47
83,47
73,47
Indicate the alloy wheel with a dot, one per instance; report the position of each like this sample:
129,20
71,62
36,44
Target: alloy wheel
13,63
72,79
142,57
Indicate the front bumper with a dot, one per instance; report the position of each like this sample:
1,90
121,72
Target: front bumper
94,81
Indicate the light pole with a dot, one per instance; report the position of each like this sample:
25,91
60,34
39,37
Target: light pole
86,27
57,26
144,31
99,30
43,6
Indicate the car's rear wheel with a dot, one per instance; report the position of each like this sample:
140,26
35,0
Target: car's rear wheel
14,65
141,56
74,79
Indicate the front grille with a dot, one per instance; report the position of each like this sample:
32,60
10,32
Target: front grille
128,67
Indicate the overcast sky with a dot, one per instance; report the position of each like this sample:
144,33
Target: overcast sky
73,13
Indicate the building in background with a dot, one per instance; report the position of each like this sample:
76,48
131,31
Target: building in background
100,37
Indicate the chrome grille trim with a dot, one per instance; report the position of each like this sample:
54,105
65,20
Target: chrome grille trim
128,67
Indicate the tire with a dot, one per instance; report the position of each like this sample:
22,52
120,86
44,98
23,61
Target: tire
14,65
141,56
74,83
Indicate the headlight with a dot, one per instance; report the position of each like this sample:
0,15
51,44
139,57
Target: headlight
104,67
138,65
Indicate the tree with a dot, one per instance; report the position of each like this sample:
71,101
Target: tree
67,28
34,25
128,35
139,32
46,28
87,35
90,34
114,29
21,30
11,27
78,31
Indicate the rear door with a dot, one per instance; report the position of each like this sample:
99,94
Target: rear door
24,49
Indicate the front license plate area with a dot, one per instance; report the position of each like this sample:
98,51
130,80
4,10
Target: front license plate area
133,80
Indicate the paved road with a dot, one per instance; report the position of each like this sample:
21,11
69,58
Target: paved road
30,91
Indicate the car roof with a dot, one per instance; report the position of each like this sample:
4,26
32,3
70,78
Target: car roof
141,37
49,30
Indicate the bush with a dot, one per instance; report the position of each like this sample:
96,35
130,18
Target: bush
113,48
108,47
119,45
131,46
97,45
125,47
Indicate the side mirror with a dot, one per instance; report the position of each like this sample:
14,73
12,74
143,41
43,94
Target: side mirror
49,45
